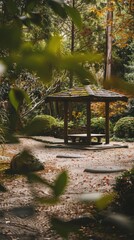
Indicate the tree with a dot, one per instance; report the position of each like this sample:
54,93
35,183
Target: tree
109,39
129,66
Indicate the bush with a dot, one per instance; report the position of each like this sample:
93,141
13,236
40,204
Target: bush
124,187
41,125
98,125
124,128
58,130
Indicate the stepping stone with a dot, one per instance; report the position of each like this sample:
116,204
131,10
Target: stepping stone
104,169
23,212
70,156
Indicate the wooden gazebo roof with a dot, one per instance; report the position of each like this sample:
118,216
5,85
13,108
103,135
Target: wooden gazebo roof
84,94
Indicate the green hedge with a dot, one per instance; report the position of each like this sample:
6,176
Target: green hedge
124,128
98,125
41,125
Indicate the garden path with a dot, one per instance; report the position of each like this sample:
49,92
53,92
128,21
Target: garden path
37,226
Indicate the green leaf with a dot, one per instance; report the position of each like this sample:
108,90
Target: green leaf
12,7
101,200
13,99
30,5
121,86
35,18
60,184
34,178
57,8
60,227
16,97
10,37
75,15
104,201
83,58
54,45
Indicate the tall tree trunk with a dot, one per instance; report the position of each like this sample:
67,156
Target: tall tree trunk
72,46
108,63
72,50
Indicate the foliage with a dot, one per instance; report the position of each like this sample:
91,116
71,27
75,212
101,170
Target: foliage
131,107
129,65
40,59
40,125
98,125
124,128
122,21
116,108
58,129
57,187
124,188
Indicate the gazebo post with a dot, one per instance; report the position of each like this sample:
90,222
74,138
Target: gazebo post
65,122
107,122
89,122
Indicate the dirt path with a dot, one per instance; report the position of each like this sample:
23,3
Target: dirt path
37,226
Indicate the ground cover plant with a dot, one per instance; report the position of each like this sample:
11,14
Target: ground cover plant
124,187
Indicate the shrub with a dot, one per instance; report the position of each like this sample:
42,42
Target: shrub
124,187
41,125
124,128
58,130
98,125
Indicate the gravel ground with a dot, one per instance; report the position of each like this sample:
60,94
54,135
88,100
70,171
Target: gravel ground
55,160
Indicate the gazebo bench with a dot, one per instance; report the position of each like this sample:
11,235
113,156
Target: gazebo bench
83,137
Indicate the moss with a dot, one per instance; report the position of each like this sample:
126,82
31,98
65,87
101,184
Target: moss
124,128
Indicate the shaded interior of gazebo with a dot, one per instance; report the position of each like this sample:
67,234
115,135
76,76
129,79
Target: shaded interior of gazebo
86,95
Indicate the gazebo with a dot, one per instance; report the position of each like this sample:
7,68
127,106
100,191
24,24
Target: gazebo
87,95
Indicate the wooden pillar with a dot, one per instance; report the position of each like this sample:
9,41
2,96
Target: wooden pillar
65,122
70,111
57,109
89,123
107,122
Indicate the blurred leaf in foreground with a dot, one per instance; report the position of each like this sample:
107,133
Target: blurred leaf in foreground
16,97
10,37
101,200
48,58
121,221
60,184
120,86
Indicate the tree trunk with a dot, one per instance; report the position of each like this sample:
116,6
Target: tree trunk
108,63
72,47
